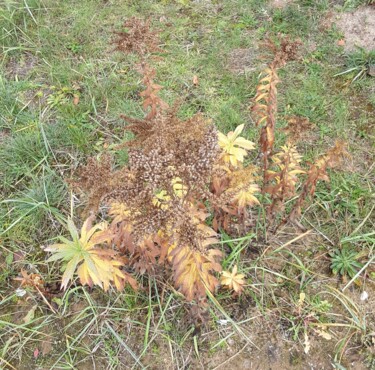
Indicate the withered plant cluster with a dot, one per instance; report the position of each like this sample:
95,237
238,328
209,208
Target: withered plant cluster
179,173
184,182
283,174
138,37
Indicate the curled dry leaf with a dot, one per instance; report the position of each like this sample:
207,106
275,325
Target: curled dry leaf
232,280
30,280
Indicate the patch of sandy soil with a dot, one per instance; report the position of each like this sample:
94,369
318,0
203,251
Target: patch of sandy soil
280,3
243,61
20,68
358,28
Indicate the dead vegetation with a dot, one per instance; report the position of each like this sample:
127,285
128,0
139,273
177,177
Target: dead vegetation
195,227
138,37
180,173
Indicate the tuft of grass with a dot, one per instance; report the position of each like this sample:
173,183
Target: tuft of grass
31,211
358,63
21,156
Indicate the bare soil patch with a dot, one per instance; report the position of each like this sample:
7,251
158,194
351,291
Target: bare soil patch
243,61
358,28
280,3
21,67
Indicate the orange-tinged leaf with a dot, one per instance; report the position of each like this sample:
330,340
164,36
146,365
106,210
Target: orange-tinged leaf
76,99
193,272
261,96
93,265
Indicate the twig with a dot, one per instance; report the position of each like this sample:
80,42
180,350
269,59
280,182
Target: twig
232,357
119,339
287,243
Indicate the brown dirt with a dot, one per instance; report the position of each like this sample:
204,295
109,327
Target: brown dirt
244,60
280,3
21,68
275,353
358,28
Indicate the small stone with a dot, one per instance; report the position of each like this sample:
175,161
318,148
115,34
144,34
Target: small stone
230,342
222,322
247,364
364,296
371,70
20,292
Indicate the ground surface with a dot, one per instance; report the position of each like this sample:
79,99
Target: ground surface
62,90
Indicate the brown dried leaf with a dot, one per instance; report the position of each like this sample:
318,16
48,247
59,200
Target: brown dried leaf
138,38
232,280
46,347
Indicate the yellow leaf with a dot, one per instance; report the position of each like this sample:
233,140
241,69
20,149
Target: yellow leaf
234,147
94,266
245,196
179,188
193,272
161,200
302,297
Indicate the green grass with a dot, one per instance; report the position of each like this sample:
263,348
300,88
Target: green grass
52,51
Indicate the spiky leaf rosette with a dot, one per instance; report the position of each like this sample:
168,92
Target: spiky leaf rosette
94,266
233,280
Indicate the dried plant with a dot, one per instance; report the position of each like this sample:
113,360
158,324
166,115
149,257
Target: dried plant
265,109
151,100
283,179
30,280
282,172
232,280
265,100
283,50
317,172
298,128
155,202
179,173
138,38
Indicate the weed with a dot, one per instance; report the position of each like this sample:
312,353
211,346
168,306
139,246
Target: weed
359,63
159,203
30,211
91,328
345,262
